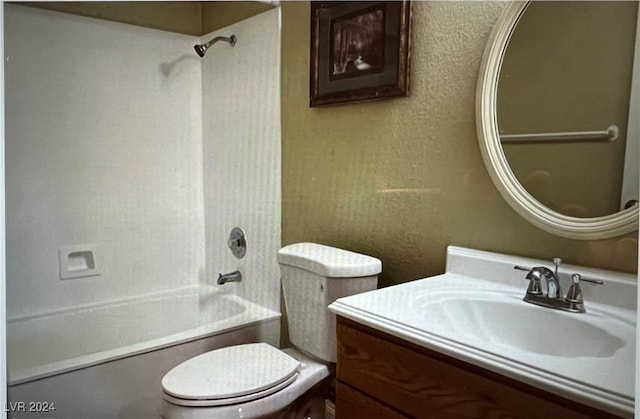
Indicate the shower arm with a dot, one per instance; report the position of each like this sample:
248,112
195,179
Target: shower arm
202,48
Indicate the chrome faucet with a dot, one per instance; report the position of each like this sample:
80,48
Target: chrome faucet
553,286
235,276
553,298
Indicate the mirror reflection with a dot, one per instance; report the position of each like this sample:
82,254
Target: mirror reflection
566,77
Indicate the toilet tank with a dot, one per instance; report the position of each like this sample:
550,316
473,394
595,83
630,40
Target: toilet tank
314,276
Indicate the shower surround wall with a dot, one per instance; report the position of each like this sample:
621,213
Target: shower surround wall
104,146
241,101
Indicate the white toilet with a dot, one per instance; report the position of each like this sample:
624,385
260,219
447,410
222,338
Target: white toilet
256,380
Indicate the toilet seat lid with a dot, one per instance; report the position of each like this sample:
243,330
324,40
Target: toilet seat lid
230,372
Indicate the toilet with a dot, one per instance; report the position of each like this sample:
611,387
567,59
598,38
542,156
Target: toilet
258,380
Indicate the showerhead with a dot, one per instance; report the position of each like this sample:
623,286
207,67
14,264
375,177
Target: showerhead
201,49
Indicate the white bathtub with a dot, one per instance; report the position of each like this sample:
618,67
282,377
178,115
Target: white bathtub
107,360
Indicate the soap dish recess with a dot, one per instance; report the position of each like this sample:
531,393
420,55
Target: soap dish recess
78,261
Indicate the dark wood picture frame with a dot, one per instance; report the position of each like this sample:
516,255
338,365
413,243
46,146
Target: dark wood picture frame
360,51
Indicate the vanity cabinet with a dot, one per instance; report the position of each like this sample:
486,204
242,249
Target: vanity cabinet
382,376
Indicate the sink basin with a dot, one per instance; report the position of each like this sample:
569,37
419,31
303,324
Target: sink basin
498,319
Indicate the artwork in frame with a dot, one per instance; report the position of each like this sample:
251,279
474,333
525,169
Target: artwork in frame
360,51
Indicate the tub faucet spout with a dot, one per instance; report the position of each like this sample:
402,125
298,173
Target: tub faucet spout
235,276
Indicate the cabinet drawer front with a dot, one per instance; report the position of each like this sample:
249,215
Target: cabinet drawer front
351,404
425,387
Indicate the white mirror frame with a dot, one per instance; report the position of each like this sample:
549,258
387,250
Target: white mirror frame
613,225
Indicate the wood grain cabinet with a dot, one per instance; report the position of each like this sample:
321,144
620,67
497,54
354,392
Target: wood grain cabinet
381,376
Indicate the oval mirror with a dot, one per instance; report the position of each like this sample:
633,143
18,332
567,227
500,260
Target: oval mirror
557,121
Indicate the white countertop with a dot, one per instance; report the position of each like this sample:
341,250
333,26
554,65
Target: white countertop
416,311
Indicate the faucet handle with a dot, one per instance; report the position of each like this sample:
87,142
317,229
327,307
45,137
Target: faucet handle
574,295
590,281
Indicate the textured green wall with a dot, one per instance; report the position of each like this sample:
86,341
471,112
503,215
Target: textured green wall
218,14
401,179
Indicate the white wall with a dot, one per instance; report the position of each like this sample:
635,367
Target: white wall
241,134
103,146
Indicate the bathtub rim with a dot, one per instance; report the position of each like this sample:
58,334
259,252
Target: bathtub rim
186,290
255,315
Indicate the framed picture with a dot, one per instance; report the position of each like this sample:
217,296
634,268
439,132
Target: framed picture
359,51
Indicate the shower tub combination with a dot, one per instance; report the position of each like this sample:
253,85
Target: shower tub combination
107,360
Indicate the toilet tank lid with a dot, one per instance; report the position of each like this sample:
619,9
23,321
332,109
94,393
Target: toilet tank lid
329,261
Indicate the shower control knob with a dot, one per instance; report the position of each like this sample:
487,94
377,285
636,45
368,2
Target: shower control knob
237,242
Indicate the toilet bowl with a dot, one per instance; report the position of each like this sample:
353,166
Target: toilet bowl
257,380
